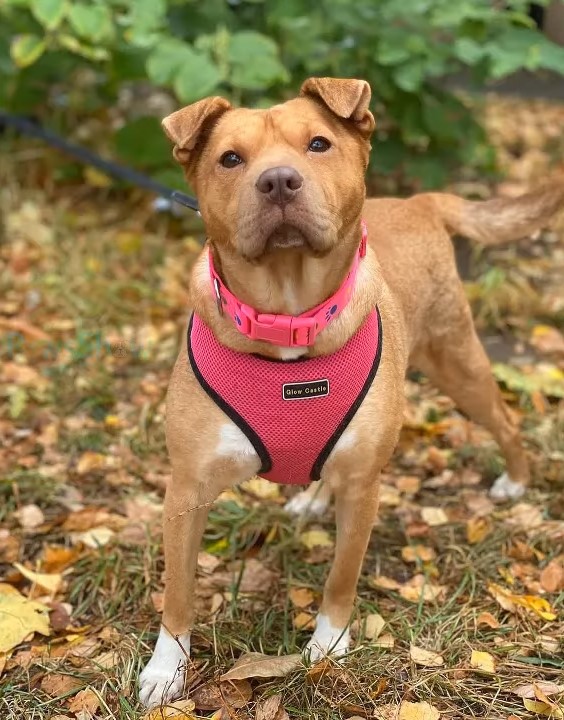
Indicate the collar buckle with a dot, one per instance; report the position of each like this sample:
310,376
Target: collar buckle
283,330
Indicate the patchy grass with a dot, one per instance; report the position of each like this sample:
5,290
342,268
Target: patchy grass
93,301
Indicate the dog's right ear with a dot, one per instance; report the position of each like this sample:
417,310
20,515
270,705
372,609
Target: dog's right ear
185,127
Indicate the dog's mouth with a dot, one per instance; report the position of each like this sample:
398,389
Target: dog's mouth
286,236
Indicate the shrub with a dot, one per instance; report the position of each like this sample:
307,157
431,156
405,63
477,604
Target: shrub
258,51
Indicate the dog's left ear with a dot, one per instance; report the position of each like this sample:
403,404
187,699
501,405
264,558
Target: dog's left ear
348,99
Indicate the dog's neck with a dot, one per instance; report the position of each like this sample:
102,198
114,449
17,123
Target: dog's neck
284,281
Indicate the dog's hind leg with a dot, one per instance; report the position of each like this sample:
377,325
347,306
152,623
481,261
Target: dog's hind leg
457,364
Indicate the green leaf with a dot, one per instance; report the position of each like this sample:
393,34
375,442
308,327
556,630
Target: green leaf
145,18
18,402
92,22
167,59
142,143
50,13
69,42
546,378
410,75
468,51
197,77
254,62
26,49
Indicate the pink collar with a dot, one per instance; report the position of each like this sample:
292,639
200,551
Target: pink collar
287,330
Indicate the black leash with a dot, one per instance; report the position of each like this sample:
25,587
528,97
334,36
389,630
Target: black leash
27,127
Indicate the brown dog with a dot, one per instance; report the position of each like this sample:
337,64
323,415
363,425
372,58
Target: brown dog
284,245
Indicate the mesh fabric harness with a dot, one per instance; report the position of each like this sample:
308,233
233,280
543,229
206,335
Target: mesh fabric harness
292,412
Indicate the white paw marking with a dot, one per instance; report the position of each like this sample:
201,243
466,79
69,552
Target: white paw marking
163,678
304,503
504,488
233,442
327,640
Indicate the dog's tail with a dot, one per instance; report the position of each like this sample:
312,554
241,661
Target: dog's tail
493,222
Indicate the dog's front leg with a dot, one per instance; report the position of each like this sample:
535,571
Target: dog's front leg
185,514
356,505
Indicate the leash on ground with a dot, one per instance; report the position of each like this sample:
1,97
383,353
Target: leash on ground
26,127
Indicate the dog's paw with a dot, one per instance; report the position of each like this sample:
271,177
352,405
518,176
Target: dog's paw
504,488
327,640
163,679
303,504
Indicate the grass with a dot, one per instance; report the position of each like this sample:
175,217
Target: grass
106,280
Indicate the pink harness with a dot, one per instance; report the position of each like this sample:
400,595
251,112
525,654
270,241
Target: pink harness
292,412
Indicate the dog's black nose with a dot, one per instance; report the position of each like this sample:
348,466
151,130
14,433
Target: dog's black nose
280,184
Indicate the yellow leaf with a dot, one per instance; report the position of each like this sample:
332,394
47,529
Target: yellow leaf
486,618
542,708
374,626
90,461
316,538
48,581
19,618
482,661
418,711
261,488
434,516
413,553
181,709
477,529
96,178
386,641
509,601
301,597
425,658
304,621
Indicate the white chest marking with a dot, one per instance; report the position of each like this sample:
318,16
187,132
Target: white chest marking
233,442
346,441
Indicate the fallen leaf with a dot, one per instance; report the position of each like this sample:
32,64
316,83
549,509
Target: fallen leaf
258,665
90,461
230,694
385,583
528,690
301,597
389,496
94,538
261,488
20,618
525,516
316,538
56,558
374,624
30,516
271,709
48,581
86,701
57,685
236,693
477,529
482,661
408,484
9,547
420,588
486,618
434,516
208,562
544,377
542,708
304,621
547,340
386,641
425,658
418,711
415,553
552,576
508,601
181,709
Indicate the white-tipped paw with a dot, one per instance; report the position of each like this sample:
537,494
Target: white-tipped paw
504,488
163,679
327,640
303,504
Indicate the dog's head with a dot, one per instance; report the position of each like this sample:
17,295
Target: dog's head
289,176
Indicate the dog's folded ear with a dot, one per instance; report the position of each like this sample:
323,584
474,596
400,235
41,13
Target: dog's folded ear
185,127
348,99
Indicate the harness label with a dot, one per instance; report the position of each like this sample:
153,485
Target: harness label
305,390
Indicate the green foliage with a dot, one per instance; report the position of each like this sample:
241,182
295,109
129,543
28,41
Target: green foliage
259,51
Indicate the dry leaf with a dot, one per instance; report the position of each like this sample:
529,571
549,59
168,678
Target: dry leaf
56,558
374,625
482,661
542,708
301,597
86,701
271,709
552,576
261,488
304,621
30,517
90,461
20,618
477,529
48,581
230,694
547,340
434,516
414,553
419,588
508,601
528,690
258,665
9,547
181,709
208,562
385,641
418,711
385,583
408,484
425,658
94,538
316,538
58,685
486,618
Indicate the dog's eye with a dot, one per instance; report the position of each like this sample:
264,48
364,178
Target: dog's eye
319,144
230,159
